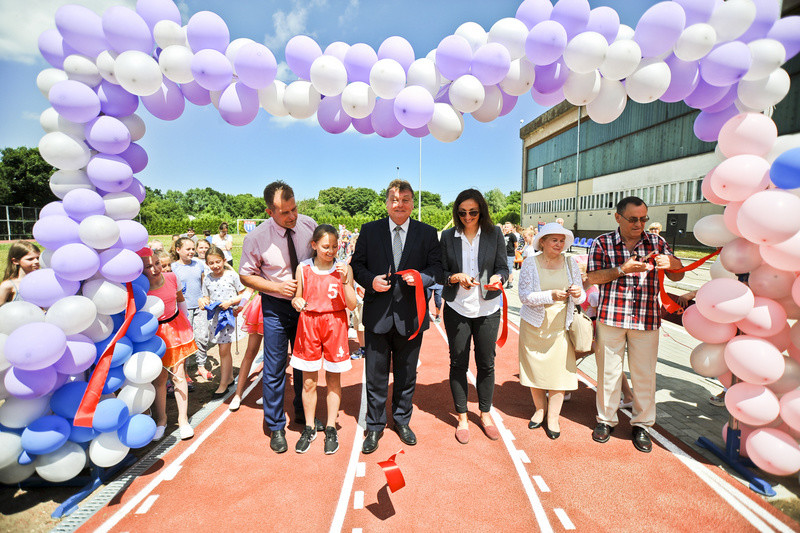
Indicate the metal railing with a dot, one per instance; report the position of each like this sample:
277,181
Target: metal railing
17,222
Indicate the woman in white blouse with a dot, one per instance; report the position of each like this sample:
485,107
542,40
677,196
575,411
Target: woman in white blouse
549,289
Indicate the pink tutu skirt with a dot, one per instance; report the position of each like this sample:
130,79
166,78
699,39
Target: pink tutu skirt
253,317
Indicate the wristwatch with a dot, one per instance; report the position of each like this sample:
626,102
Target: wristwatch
620,271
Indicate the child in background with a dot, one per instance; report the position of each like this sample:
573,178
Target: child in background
175,330
23,258
201,248
189,272
221,286
166,260
253,325
324,293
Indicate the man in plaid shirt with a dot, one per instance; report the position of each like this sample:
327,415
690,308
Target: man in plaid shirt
623,265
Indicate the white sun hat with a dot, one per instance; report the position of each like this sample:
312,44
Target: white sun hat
554,228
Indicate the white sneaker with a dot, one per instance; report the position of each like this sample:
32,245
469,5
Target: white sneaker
625,405
186,432
260,401
567,396
159,433
236,402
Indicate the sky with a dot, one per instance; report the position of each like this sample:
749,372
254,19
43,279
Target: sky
200,150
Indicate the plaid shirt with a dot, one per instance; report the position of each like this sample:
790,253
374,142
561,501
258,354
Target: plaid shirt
631,301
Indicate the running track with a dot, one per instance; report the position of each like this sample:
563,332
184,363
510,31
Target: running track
227,478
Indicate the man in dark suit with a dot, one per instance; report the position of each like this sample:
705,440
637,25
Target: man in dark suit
385,247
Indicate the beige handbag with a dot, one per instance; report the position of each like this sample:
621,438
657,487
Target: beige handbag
581,331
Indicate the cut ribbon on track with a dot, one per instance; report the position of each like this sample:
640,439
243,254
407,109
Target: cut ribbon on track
419,293
498,286
666,301
394,477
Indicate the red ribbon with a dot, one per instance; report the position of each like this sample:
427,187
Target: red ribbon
394,477
666,301
419,293
85,414
498,285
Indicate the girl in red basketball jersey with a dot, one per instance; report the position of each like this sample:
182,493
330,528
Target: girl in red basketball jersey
324,293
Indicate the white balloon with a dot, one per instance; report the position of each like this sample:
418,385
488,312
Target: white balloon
72,314
98,231
328,75
649,82
474,33
271,98
63,151
423,72
63,181
765,92
63,464
10,448
717,271
511,33
175,63
138,398
19,313
234,47
731,19
138,73
100,330
625,33
609,103
622,59
135,125
4,364
784,143
387,78
142,367
106,450
16,413
358,99
447,124
51,121
695,42
108,297
15,473
467,94
83,69
580,89
167,33
154,305
49,77
121,205
519,79
711,231
767,55
105,65
585,52
492,105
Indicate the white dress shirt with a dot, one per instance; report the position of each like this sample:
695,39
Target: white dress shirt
403,234
469,303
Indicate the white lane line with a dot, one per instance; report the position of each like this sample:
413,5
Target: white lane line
565,521
171,472
509,435
196,442
750,511
148,503
533,498
541,484
523,457
353,464
357,530
358,499
361,469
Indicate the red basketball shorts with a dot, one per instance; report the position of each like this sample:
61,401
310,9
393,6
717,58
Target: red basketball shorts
321,342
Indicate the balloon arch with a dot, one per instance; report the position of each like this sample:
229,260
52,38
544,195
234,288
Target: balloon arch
723,58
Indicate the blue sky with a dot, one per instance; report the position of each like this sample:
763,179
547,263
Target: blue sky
201,150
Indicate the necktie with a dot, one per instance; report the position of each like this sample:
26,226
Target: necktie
293,262
397,246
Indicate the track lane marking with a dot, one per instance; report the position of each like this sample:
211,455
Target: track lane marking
358,499
361,469
148,503
564,519
541,484
523,457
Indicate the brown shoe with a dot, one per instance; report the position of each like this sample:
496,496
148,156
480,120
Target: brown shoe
462,435
491,431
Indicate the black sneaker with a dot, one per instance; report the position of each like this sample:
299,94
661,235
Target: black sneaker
331,440
309,434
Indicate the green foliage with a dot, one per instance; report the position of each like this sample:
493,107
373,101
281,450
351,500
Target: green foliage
496,200
25,178
350,199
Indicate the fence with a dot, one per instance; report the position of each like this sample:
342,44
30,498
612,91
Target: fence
17,222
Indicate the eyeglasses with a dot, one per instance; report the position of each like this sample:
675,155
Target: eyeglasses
634,220
472,213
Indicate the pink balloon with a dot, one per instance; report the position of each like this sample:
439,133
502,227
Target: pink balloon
706,330
748,133
791,307
769,217
708,192
774,451
740,256
781,340
754,360
738,177
754,405
724,300
794,352
796,291
767,318
789,381
790,409
783,256
770,282
726,379
794,334
709,360
731,215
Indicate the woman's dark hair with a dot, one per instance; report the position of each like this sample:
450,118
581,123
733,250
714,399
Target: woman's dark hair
223,225
484,218
322,230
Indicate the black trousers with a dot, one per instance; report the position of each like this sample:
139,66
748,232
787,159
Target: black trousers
483,333
381,349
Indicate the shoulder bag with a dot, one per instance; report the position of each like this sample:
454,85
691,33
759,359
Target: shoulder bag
581,331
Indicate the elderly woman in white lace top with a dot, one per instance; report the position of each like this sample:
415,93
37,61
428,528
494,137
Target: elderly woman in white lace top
549,288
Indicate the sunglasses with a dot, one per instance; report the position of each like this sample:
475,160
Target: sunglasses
634,220
472,213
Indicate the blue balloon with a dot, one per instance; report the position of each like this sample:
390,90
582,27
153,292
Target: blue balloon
155,345
123,350
142,282
785,171
137,432
143,327
81,435
114,380
45,434
66,400
118,319
139,296
110,415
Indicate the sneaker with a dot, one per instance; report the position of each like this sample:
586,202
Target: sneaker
236,402
718,400
308,435
186,432
331,440
358,354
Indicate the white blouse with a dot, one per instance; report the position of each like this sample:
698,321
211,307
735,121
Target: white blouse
534,299
469,303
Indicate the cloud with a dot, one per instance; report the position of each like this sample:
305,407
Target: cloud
289,24
350,13
287,121
284,73
22,22
28,115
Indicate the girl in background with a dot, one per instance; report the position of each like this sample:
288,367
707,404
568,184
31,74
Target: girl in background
23,258
189,272
253,325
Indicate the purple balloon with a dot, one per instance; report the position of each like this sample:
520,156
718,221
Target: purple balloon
74,101
125,30
116,101
659,28
708,125
548,99
724,102
120,266
54,231
136,157
532,12
572,14
331,116
78,356
238,104
550,78
399,49
418,133
363,125
167,103
211,69
107,134
443,96
490,63
685,76
30,384
767,12
604,21
195,93
75,262
255,65
53,48
132,235
35,346
82,29
546,43
509,102
453,57
787,32
337,49
726,64
705,95
384,121
154,11
82,203
53,208
206,30
697,11
43,287
358,61
137,190
413,107
300,52
111,173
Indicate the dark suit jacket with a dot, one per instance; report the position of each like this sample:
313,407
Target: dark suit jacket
491,260
373,257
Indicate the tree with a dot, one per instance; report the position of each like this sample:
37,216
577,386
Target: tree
430,199
25,178
357,200
496,200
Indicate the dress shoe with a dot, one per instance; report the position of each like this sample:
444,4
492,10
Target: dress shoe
553,435
462,435
405,434
641,439
277,441
602,432
534,425
371,442
491,431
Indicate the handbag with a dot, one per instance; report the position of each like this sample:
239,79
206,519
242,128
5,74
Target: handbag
581,330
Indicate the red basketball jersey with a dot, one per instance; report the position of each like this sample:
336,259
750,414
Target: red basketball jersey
323,293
